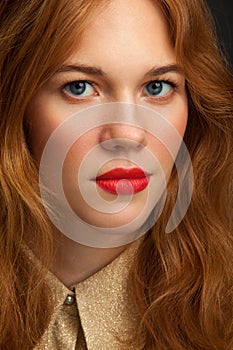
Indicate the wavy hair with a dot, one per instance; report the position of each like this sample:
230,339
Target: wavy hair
182,282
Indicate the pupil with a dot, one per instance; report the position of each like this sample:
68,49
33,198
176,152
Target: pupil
154,88
78,88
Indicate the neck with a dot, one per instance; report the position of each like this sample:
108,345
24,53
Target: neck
74,262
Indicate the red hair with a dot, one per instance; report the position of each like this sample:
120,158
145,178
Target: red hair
182,282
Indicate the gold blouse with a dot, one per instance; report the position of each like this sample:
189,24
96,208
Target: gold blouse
97,314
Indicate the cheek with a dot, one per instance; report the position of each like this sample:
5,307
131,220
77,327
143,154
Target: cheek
180,122
76,155
45,113
179,116
174,128
43,121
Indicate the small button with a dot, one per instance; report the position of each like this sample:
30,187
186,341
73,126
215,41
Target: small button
69,300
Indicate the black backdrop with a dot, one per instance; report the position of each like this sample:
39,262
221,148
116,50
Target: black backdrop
222,11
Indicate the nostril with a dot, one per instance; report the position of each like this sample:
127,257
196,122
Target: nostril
121,144
120,136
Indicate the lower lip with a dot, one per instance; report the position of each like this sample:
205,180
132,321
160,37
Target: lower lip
124,186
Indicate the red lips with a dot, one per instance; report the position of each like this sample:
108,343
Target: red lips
123,180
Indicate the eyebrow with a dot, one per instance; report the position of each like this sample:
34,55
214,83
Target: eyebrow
83,69
99,72
173,68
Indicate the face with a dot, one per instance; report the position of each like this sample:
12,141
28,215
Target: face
120,58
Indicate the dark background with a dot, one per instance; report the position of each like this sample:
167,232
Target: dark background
222,11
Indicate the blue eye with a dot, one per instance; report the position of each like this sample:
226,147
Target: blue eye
158,88
80,88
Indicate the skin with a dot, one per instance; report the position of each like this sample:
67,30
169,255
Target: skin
124,50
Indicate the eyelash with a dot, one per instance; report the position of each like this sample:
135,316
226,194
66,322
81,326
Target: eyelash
174,86
68,95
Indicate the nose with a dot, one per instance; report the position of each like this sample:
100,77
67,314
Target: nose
119,137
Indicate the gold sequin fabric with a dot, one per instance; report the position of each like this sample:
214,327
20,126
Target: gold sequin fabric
97,314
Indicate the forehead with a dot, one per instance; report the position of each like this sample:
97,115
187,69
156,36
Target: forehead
125,31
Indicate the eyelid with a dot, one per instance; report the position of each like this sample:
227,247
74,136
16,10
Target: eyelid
174,87
174,83
73,97
78,81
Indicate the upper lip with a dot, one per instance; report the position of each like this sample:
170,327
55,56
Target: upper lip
122,173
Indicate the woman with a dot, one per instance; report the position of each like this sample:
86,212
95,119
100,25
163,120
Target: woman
163,291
